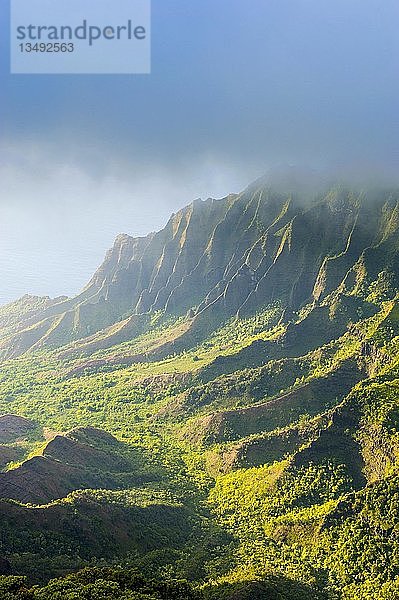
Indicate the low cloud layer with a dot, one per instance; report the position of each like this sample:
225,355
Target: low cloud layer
236,88
58,218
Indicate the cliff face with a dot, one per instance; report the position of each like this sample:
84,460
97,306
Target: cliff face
220,257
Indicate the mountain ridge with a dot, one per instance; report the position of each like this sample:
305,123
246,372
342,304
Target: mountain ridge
218,258
245,363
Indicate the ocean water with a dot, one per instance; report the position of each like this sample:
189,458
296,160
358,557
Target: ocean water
49,271
49,261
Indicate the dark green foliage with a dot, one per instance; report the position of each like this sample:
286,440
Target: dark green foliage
269,588
98,584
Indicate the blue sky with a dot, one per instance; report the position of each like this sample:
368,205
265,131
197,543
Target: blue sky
237,87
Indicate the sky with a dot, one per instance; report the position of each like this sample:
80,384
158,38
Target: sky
237,88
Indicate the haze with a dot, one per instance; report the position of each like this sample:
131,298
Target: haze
236,89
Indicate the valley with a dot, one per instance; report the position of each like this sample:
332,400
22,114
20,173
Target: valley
220,404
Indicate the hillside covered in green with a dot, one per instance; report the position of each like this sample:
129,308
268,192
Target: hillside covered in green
216,415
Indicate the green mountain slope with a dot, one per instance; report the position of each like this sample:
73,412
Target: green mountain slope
220,403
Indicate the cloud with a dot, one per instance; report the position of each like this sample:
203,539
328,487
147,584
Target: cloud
59,214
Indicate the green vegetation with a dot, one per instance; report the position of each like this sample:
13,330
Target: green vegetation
98,584
245,442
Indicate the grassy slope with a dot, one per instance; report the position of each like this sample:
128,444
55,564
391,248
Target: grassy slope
299,512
